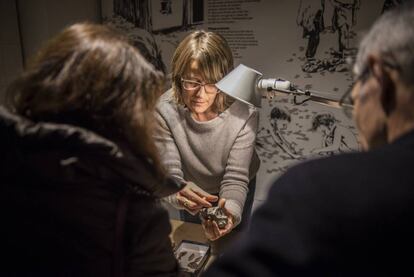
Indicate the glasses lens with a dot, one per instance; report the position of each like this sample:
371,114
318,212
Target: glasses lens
210,88
346,102
190,85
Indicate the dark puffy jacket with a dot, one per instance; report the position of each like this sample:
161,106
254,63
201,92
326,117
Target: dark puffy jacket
76,204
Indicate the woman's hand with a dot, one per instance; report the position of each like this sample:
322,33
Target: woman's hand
211,229
192,198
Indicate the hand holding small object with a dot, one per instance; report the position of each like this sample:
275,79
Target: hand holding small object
211,228
216,214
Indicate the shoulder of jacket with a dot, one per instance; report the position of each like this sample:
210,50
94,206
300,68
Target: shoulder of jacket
341,164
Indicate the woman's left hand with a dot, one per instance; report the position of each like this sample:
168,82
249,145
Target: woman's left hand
211,229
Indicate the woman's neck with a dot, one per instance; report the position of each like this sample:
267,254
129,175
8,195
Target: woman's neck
206,116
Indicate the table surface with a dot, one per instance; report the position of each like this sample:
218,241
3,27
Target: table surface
191,231
186,231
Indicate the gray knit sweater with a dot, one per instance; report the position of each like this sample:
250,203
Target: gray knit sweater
216,155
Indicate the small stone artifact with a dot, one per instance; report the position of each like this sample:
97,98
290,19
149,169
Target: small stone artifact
215,213
181,254
193,265
198,259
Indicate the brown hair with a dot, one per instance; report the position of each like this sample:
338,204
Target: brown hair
214,58
91,77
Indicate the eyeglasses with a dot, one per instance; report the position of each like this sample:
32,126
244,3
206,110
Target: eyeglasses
346,102
192,85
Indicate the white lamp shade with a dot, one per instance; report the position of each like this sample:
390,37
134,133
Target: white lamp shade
241,83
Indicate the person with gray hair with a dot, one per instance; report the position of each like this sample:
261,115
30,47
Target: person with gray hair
349,214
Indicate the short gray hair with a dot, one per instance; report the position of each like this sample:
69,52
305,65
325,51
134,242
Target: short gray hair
391,37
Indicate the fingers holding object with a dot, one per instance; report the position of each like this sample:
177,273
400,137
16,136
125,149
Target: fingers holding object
209,230
216,230
205,195
222,203
195,198
185,202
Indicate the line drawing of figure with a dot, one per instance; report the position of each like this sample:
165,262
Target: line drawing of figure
343,19
279,120
137,13
166,7
137,19
314,16
146,43
310,18
269,140
336,138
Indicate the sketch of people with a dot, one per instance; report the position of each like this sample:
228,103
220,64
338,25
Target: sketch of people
343,19
166,7
336,138
279,120
133,17
135,11
310,18
137,19
313,17
146,44
268,140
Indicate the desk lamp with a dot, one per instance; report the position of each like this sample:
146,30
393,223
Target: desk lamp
249,86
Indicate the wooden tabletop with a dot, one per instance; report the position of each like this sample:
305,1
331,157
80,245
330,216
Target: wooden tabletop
187,231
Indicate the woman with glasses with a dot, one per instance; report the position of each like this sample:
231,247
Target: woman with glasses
206,138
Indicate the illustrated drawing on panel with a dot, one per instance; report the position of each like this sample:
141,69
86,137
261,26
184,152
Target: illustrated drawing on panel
155,26
291,133
319,17
336,138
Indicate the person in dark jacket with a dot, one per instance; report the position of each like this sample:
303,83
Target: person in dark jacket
350,214
80,176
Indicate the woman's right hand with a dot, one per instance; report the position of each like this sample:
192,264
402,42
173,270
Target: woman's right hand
211,229
192,198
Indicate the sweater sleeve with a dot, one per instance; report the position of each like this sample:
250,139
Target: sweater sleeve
234,186
169,153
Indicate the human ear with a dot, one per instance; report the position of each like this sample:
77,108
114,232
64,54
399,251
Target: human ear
387,88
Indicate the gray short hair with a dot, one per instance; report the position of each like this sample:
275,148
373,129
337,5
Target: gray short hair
391,37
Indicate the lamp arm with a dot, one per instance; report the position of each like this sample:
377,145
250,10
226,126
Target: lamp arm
270,92
312,95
